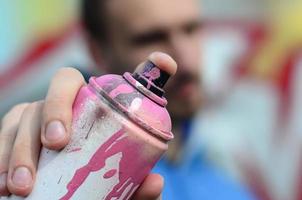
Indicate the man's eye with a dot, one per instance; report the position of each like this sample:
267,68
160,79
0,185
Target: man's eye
149,38
192,28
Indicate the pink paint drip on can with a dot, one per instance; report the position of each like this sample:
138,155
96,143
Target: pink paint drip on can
120,130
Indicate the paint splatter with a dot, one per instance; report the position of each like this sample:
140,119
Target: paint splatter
132,168
74,150
110,173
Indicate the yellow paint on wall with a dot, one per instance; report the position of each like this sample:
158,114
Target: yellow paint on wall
285,36
45,17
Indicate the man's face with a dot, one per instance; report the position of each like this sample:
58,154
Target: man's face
140,27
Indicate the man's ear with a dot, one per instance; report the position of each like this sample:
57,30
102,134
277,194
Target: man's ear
95,50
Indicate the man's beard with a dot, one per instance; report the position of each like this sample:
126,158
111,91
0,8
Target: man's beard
183,106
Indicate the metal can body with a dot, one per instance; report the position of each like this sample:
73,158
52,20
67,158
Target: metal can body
110,153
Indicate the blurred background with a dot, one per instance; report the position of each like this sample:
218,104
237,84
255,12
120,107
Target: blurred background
252,80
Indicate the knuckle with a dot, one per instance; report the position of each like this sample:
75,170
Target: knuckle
4,159
56,105
56,109
56,99
5,151
10,122
31,108
22,154
20,107
15,111
20,147
38,103
55,114
7,136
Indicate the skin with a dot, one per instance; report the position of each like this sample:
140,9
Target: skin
137,28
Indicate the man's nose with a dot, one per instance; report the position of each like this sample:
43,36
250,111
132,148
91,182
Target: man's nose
183,50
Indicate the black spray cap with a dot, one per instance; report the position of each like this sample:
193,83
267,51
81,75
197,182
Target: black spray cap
152,77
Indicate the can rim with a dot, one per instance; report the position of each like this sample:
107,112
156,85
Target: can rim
159,100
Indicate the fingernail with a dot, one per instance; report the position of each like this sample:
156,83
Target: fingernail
55,131
3,178
22,177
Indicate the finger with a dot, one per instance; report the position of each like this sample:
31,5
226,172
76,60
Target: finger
150,189
57,113
25,153
164,62
7,137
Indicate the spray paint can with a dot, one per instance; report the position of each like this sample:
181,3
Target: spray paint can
120,130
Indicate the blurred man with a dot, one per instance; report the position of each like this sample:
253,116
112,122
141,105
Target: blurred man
121,34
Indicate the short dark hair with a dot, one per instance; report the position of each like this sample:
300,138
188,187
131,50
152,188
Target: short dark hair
94,18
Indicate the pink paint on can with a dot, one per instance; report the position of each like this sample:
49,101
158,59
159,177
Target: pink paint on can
110,173
120,130
130,163
97,162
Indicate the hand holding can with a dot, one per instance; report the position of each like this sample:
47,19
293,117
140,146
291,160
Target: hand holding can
120,129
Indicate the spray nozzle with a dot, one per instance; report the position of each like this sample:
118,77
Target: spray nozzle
152,77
